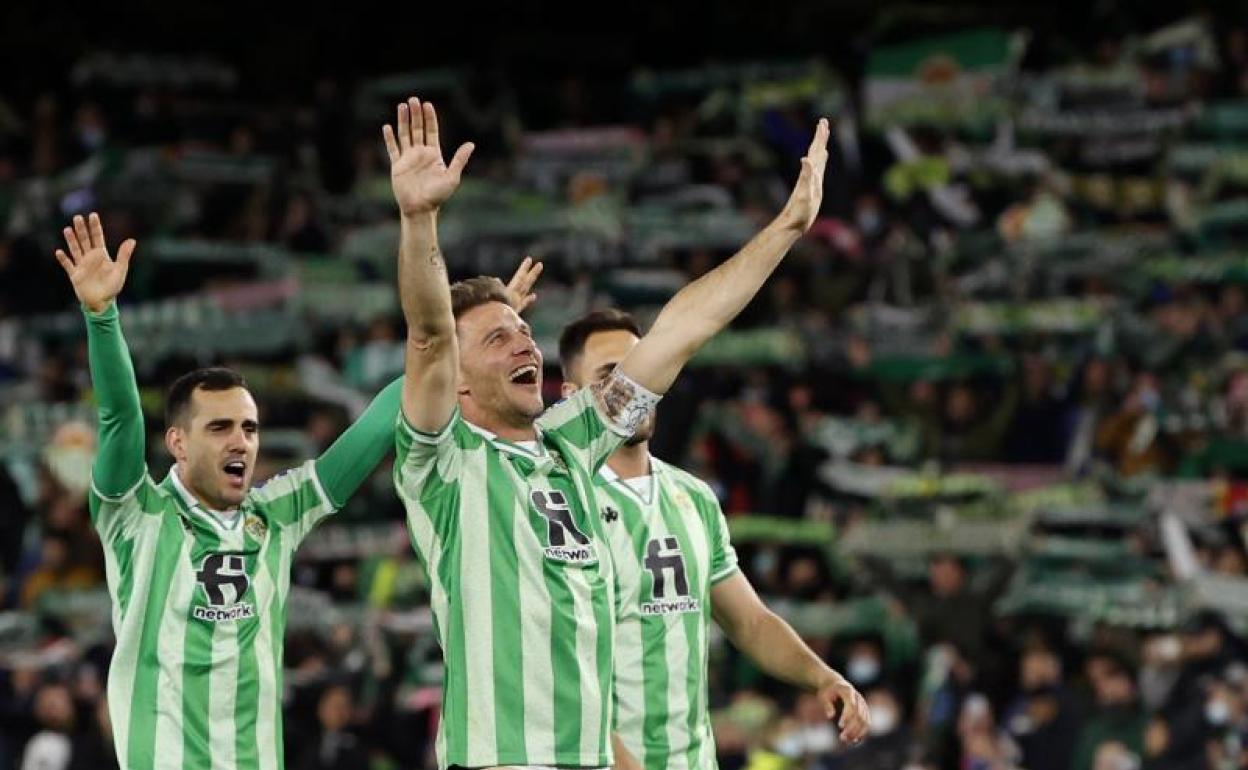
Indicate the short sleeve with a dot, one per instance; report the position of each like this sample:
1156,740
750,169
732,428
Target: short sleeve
427,462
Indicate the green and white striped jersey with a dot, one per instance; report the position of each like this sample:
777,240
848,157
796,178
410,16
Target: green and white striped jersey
199,612
521,587
669,541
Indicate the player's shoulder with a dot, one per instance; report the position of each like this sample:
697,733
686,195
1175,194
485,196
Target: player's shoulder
458,433
144,494
566,409
290,481
682,478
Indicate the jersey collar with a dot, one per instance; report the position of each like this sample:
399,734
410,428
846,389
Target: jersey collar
192,504
511,447
613,478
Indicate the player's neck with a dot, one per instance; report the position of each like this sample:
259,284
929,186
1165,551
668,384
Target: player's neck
509,433
200,498
630,462
509,430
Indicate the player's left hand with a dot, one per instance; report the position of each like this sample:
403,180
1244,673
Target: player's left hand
807,196
520,287
855,718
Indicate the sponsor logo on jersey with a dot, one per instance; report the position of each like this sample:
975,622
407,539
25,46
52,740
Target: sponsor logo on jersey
224,580
565,541
688,604
215,615
664,560
574,555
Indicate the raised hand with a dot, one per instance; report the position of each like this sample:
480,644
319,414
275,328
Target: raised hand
421,180
520,287
97,279
807,196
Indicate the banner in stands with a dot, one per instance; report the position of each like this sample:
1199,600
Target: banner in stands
954,81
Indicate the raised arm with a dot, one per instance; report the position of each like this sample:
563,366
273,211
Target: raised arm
422,182
97,280
354,455
704,307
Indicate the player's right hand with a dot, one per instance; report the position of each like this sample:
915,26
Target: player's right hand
855,715
96,277
421,180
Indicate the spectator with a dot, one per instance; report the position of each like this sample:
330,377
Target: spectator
964,431
948,611
1037,430
93,749
1044,718
1114,731
336,747
984,745
889,745
52,747
1131,439
56,571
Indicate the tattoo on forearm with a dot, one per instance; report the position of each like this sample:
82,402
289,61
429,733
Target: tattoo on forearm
624,402
435,257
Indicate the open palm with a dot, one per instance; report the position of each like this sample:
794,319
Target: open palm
807,196
421,180
96,277
520,288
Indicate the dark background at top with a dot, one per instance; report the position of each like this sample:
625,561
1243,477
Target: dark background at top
282,52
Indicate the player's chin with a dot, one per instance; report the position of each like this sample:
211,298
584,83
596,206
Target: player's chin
528,402
644,433
234,489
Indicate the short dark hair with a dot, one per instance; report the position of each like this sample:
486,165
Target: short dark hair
178,399
474,292
576,334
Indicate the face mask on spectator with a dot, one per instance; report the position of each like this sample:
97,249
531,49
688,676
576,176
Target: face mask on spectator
1217,712
1124,761
789,745
91,137
863,669
869,221
818,739
765,561
883,719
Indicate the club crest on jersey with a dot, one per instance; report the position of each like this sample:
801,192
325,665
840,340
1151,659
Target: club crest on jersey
560,464
683,501
664,559
565,541
223,577
610,515
255,526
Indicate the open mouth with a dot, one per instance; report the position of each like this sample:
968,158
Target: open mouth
235,469
524,375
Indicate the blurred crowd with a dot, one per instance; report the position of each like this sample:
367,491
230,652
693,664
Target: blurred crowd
1031,263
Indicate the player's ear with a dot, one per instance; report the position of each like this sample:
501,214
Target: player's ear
175,442
568,389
